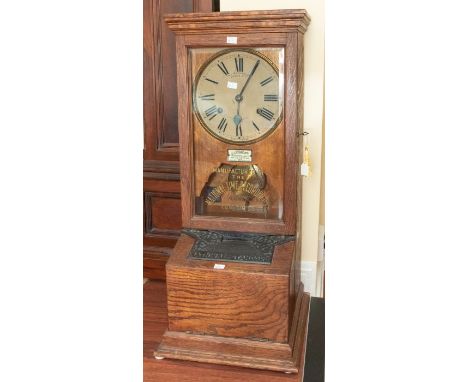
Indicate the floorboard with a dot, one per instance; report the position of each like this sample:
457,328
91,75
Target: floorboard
155,323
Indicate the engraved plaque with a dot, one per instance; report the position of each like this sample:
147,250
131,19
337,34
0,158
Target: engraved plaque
234,246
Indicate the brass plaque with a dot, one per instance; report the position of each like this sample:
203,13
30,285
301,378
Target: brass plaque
235,190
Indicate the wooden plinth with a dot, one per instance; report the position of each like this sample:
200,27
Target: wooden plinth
237,351
249,315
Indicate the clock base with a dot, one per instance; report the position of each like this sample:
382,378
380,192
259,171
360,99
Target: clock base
243,352
235,313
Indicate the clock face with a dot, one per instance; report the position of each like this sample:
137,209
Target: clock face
237,96
237,132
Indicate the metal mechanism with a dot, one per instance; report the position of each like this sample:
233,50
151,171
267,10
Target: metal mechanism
234,246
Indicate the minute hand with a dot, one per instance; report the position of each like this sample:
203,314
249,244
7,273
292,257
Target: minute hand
250,76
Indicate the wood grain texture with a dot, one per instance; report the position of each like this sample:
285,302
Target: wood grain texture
162,213
242,300
250,315
205,5
167,370
242,352
161,157
279,266
159,72
161,224
154,262
161,170
229,304
161,218
280,28
298,159
161,133
294,20
244,315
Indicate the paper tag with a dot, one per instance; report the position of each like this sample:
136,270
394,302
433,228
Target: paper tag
232,85
219,266
231,40
239,156
305,162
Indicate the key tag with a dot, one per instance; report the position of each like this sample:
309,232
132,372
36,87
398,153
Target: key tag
305,163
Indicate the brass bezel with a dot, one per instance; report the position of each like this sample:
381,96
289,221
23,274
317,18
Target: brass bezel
194,91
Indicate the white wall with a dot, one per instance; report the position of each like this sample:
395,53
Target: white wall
313,114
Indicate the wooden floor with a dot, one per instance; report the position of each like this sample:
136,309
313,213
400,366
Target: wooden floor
155,323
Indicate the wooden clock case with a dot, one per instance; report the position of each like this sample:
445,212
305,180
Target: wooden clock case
251,315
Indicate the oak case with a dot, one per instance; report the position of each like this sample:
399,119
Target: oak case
263,25
251,315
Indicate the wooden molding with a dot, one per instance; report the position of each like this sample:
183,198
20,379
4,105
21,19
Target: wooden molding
159,90
171,218
229,22
154,262
240,351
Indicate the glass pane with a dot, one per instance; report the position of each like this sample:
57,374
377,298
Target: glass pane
237,113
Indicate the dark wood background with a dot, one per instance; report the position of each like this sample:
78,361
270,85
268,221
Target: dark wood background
161,177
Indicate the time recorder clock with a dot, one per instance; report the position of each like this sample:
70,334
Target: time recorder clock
233,279
237,96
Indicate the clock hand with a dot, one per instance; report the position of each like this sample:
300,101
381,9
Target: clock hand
237,118
248,79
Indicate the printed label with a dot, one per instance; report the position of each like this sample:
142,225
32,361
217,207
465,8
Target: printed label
239,156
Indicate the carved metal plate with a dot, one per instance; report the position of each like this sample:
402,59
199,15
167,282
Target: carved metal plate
234,246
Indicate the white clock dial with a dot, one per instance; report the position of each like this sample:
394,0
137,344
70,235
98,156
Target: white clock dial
237,96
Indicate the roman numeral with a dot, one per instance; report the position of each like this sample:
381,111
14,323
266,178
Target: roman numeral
207,97
255,125
270,97
215,82
265,113
213,110
266,81
239,64
222,125
223,68
239,131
